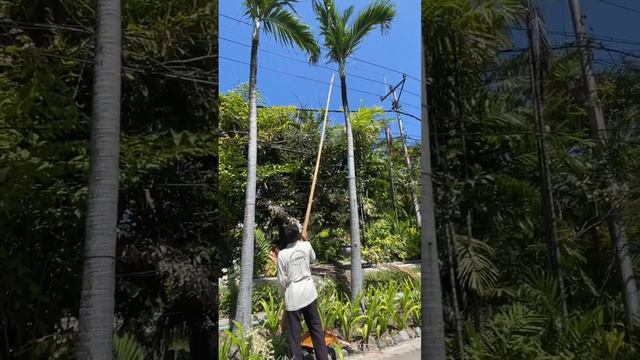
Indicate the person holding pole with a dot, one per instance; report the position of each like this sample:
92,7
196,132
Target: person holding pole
300,295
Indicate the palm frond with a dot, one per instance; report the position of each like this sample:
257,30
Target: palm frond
380,13
289,30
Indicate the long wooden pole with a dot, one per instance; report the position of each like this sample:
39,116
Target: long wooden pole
307,216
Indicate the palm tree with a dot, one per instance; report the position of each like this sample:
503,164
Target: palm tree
342,37
95,340
275,17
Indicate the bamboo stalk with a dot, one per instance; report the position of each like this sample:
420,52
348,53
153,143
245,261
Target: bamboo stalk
307,216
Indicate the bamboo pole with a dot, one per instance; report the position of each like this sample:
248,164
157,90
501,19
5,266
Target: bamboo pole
307,216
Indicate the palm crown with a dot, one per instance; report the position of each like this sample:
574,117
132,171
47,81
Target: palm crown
342,37
279,19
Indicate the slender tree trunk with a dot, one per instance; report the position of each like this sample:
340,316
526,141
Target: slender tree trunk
598,131
407,159
243,308
432,340
454,288
392,186
549,214
356,258
95,339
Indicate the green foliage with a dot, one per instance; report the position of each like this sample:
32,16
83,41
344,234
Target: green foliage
261,291
384,278
330,242
475,269
273,310
239,342
349,318
126,347
384,243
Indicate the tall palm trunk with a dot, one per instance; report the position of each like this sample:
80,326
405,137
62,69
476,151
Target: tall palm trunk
356,259
432,340
95,340
243,309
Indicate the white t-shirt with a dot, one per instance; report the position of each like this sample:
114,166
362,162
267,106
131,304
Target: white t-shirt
294,275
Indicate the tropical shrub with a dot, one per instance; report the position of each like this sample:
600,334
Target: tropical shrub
330,242
382,278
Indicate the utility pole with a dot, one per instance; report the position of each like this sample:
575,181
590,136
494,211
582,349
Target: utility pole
598,132
396,109
389,136
549,223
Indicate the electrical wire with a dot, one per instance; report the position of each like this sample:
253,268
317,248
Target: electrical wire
352,57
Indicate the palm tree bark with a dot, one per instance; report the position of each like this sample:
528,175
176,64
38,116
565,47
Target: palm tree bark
95,339
356,258
243,308
432,340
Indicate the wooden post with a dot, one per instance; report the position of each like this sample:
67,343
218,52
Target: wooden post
307,216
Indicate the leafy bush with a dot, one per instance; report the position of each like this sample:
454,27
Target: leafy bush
127,348
386,244
229,296
264,291
249,346
382,278
330,241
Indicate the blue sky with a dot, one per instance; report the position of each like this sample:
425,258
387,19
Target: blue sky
614,25
398,49
611,22
396,52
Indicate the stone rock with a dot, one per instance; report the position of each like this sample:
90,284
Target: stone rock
388,340
411,332
371,344
380,344
418,332
404,336
345,353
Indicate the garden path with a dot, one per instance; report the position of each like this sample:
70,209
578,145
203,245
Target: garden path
409,350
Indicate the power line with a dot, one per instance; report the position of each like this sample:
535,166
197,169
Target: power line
352,57
296,75
593,36
306,62
619,6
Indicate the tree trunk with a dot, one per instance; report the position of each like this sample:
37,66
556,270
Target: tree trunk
243,308
356,259
392,186
454,288
407,159
95,338
598,131
432,340
548,211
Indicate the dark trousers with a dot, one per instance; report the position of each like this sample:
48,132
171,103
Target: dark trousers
294,327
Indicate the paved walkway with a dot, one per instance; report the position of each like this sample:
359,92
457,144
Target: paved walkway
409,350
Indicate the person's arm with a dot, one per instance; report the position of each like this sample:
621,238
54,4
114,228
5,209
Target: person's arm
282,276
312,254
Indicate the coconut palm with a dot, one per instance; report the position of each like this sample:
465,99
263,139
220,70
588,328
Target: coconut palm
275,17
95,340
342,33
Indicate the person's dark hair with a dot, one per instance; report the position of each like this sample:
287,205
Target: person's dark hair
291,233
